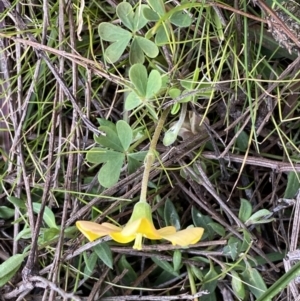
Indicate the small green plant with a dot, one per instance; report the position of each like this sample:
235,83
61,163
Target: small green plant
259,217
163,28
120,38
114,150
145,88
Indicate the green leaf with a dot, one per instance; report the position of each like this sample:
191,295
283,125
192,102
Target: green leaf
24,234
49,234
104,253
17,202
131,275
112,33
246,241
175,108
201,220
162,35
90,263
233,248
139,20
99,155
120,38
6,212
139,77
174,93
197,272
48,217
158,6
186,98
256,217
125,13
111,140
242,140
148,47
181,19
114,51
171,216
110,172
254,281
281,283
10,267
171,134
135,160
245,210
133,164
136,54
237,285
153,84
7,277
163,277
150,15
217,228
177,259
132,101
164,265
210,283
139,156
293,185
108,123
125,134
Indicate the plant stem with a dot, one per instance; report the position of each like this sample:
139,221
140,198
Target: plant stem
150,158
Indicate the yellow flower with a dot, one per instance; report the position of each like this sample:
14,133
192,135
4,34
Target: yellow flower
140,225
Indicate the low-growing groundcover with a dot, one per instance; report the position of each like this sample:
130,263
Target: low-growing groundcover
165,132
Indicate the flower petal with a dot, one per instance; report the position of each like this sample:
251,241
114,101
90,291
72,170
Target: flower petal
185,237
167,230
141,226
119,237
93,230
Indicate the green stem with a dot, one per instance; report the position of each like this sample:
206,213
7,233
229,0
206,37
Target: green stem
192,282
150,158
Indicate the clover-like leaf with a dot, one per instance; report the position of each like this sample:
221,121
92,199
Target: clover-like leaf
158,6
125,13
120,38
132,101
147,46
114,51
139,20
135,160
139,77
108,123
125,134
112,33
136,54
150,15
146,88
99,155
181,19
109,173
153,84
162,35
111,140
